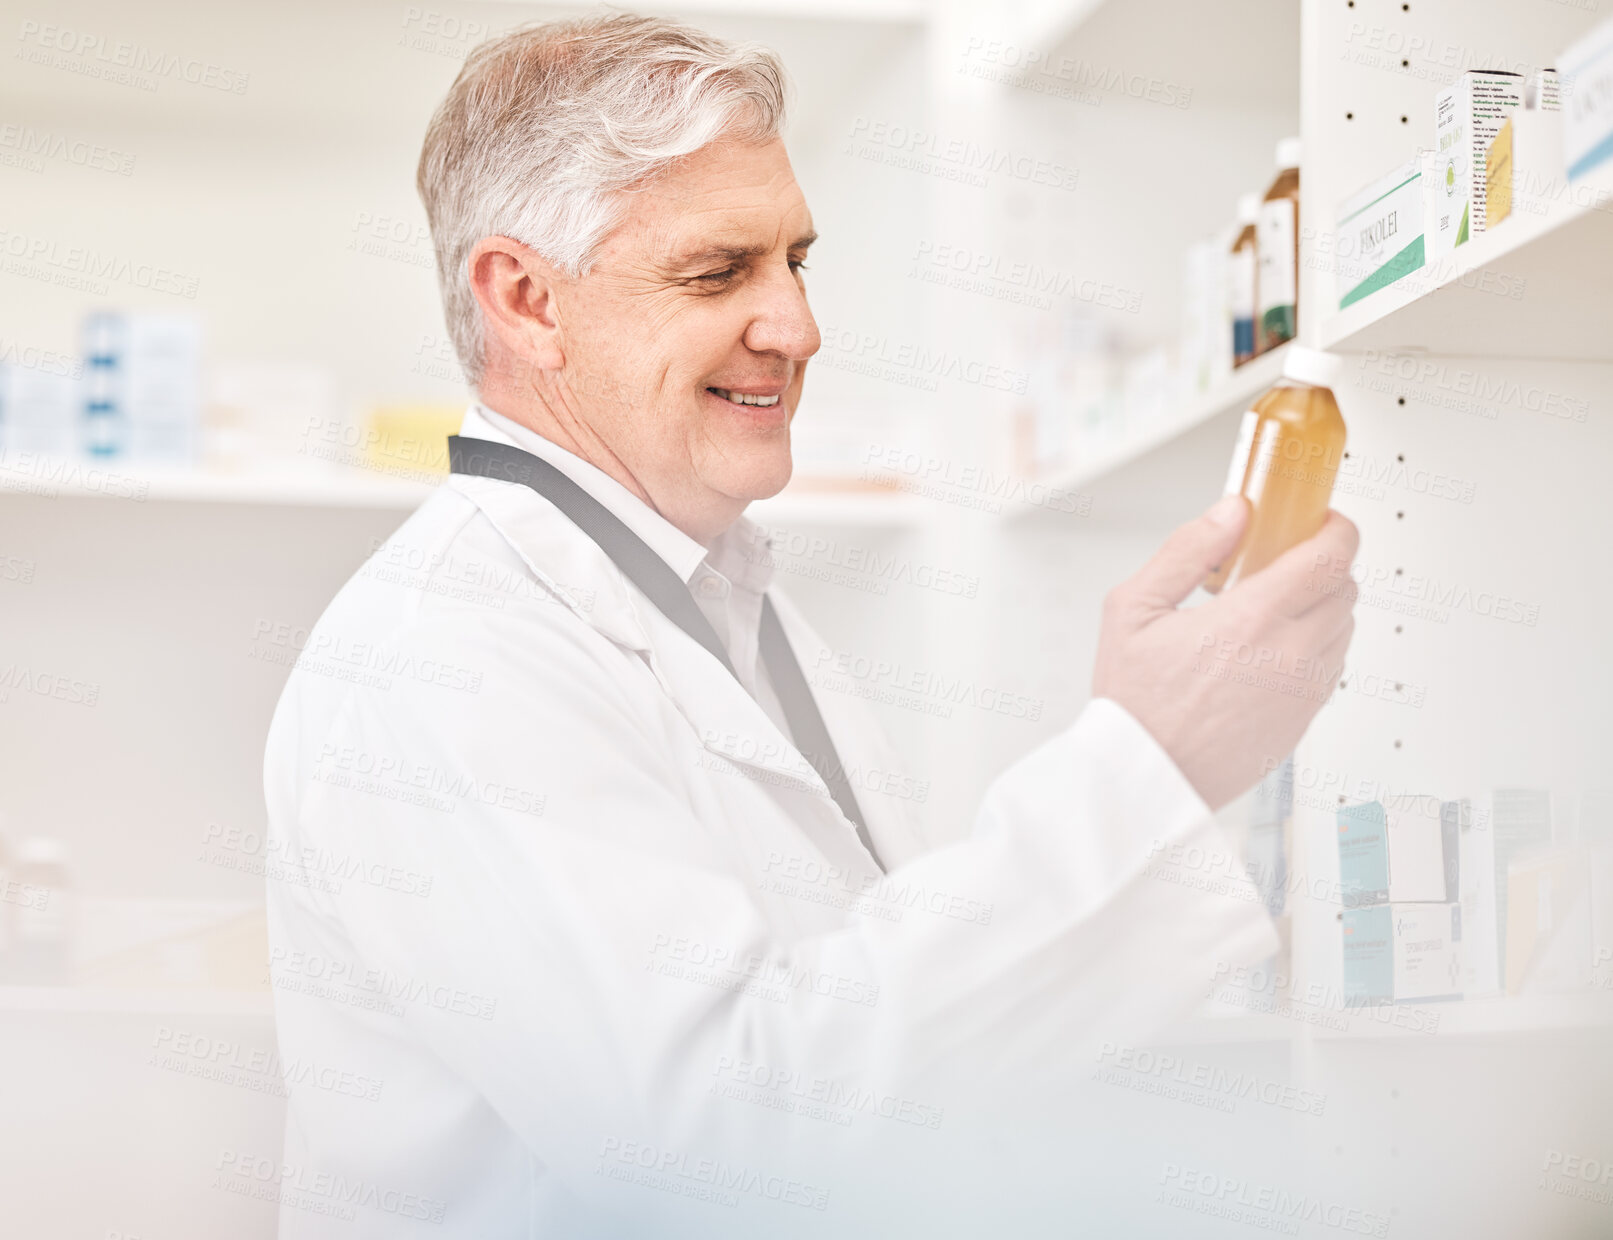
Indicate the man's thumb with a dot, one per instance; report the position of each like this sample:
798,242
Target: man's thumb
1191,553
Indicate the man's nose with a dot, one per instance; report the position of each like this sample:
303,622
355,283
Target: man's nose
783,323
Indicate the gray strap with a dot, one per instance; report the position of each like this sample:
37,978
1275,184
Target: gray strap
670,594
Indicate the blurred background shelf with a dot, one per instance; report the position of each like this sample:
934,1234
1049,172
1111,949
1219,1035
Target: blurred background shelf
1433,1023
280,484
369,489
1224,1028
1430,1023
877,510
1241,387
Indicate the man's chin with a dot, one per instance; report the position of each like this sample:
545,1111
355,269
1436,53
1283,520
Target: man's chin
764,480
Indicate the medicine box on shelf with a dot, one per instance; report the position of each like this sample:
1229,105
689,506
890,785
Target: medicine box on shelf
1587,67
1405,850
1395,953
1380,234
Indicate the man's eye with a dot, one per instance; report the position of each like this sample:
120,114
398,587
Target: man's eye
717,277
798,264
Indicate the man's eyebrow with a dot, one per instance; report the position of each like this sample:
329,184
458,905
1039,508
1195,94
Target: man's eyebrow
732,253
718,254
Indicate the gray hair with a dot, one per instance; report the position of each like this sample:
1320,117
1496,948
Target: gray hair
549,125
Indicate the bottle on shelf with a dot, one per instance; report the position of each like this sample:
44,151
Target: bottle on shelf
1243,281
1288,452
1277,242
105,424
39,914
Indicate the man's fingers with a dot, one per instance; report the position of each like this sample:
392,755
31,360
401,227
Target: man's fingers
1310,573
1188,556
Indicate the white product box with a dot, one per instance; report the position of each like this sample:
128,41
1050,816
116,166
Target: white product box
1196,323
1587,72
1481,975
1601,882
1549,923
1428,950
1543,91
1404,848
1520,822
1146,387
1528,153
39,409
1423,846
162,386
1206,355
1380,233
1467,116
1402,952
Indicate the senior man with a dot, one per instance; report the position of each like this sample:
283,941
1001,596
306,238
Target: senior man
567,835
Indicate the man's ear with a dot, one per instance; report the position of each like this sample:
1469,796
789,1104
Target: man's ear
516,288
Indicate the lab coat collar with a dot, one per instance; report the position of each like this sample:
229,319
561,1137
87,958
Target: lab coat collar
729,722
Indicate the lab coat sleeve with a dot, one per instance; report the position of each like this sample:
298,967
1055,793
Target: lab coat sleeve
589,990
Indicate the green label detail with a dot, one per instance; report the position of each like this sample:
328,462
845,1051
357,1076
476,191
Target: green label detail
1276,327
1404,263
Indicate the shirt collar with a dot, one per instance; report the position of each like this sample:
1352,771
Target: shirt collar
743,556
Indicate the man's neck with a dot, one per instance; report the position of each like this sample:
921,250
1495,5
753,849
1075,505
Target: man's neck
564,428
560,426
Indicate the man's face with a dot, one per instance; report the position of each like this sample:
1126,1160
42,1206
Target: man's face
695,301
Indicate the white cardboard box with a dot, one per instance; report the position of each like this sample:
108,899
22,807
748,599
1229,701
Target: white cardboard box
1467,115
1380,234
1586,70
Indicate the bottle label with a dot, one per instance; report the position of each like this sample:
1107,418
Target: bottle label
40,916
1240,452
1265,453
1241,301
1274,237
1241,293
1243,338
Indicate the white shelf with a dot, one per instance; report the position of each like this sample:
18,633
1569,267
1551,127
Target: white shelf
1218,1029
302,486
1415,1022
1244,384
1469,1018
128,482
873,510
1535,286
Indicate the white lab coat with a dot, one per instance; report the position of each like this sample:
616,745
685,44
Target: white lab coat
551,889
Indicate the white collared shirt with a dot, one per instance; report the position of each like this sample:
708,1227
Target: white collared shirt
728,580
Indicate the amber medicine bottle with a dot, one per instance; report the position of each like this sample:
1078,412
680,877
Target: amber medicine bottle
1289,447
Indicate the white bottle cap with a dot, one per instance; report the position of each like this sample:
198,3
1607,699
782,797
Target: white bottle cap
1311,366
1289,151
1248,208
